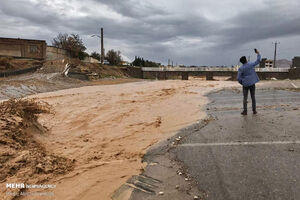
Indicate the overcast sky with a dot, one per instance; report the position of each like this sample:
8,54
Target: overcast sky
191,32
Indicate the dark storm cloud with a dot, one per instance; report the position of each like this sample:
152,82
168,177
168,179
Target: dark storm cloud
32,13
143,27
258,25
151,30
185,25
133,8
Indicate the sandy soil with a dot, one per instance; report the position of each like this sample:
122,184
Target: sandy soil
106,129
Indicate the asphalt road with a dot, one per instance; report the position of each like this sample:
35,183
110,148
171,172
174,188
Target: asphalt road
247,157
228,156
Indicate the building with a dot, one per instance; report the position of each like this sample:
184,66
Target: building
296,62
269,63
23,48
262,63
125,63
265,63
89,59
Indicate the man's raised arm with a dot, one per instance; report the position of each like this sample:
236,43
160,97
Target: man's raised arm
257,60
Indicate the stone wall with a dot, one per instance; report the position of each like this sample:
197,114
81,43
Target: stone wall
54,53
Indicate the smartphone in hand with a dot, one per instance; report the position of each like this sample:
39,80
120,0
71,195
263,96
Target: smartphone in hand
255,50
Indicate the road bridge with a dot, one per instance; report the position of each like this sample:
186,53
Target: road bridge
164,73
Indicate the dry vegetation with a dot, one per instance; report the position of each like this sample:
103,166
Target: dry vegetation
5,62
9,63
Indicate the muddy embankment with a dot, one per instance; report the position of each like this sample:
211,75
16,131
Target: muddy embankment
49,77
23,159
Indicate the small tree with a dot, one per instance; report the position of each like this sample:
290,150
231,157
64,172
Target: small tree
114,57
144,63
82,55
96,55
73,43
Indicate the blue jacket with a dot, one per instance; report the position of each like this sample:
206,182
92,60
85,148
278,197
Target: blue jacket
247,75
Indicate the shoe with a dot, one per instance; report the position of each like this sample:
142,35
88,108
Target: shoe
244,113
254,112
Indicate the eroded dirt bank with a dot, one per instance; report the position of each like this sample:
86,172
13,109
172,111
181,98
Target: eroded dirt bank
107,129
34,83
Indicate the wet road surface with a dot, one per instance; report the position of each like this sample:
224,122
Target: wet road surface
247,157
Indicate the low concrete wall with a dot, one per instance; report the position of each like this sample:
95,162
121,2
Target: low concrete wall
164,75
150,75
269,75
54,53
135,72
161,74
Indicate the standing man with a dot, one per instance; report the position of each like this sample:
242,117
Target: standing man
248,77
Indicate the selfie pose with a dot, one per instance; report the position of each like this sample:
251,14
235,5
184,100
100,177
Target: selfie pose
247,77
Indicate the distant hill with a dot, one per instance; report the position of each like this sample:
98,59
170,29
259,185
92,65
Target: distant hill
283,63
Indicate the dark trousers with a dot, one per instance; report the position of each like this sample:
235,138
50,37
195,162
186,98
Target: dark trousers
252,92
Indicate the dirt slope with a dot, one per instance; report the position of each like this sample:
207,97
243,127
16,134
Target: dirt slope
23,159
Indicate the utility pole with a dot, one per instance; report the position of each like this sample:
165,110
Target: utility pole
275,52
102,47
